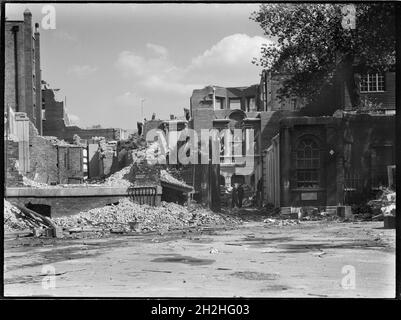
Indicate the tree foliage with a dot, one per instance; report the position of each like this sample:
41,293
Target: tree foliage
311,44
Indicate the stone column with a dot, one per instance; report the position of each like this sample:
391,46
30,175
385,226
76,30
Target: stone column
285,164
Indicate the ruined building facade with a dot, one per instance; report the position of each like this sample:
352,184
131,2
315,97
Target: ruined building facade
56,122
22,92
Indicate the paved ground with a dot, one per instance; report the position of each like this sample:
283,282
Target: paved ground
255,260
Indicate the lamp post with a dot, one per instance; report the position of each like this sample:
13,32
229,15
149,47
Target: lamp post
142,101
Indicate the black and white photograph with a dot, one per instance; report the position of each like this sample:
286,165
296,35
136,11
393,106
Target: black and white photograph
199,150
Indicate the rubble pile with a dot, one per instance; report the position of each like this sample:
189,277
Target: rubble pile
281,222
384,205
119,178
12,219
143,160
129,216
56,141
167,177
34,184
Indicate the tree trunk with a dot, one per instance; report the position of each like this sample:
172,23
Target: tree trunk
351,80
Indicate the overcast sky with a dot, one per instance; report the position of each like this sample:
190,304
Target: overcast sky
106,57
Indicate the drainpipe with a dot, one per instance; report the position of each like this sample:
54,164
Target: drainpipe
214,98
15,29
58,164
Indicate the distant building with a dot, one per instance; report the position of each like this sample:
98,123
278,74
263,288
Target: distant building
233,108
22,82
375,89
269,90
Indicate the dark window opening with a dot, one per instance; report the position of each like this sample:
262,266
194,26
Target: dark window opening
42,209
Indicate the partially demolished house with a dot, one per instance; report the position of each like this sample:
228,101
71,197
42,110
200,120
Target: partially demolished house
56,122
28,153
41,143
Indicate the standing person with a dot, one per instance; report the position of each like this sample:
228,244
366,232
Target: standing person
240,191
234,196
259,192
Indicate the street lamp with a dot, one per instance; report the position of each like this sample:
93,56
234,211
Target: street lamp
142,101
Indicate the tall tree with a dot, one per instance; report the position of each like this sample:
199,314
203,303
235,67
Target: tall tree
317,43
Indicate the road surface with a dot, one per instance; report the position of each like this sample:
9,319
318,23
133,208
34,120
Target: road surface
311,259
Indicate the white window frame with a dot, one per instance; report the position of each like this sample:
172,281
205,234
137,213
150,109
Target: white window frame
376,78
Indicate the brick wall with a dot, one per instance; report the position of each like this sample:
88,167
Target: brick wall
150,125
28,64
13,177
70,164
51,163
9,72
270,124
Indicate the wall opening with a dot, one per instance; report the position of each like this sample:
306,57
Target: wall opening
42,209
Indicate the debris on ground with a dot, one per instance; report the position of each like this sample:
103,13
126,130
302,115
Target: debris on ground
166,176
129,216
13,220
384,205
119,178
34,184
281,222
19,218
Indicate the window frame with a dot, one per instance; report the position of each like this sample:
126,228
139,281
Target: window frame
366,79
237,100
308,166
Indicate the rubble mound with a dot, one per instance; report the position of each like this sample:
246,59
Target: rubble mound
34,184
12,219
119,178
166,176
384,205
129,216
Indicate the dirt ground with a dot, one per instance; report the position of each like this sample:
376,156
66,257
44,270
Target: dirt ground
310,259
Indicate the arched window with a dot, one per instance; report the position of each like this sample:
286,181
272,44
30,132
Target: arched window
308,164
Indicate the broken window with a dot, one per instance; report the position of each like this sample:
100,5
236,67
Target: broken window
308,164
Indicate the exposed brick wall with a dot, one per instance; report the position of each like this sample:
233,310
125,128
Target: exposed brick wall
150,125
43,160
70,164
50,163
13,177
9,72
